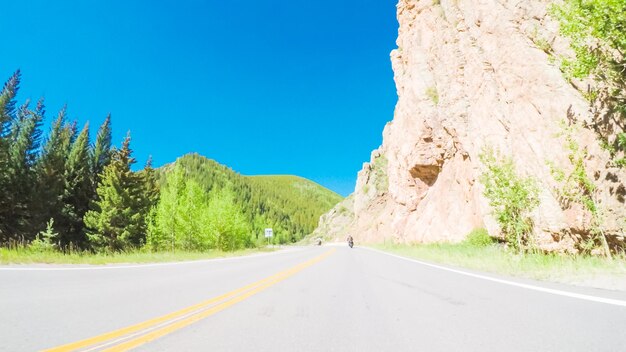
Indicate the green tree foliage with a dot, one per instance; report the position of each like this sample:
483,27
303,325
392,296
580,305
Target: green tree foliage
7,115
229,226
596,29
95,200
290,205
206,205
163,222
51,172
150,180
512,198
46,240
479,238
77,192
597,32
7,104
116,219
195,231
101,154
56,180
577,187
191,218
24,141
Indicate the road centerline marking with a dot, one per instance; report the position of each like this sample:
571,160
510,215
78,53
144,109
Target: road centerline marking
182,317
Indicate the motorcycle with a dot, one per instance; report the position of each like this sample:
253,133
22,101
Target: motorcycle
351,243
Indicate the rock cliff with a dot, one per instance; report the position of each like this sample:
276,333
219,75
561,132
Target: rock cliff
471,74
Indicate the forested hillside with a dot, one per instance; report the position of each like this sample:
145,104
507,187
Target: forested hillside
298,197
207,205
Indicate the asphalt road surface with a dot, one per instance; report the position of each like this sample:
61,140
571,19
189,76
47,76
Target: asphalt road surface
302,299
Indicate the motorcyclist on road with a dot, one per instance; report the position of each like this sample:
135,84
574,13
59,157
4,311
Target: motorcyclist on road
350,241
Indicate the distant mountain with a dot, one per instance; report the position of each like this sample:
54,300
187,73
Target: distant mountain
290,205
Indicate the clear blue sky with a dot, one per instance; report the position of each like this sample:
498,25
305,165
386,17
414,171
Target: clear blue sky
296,87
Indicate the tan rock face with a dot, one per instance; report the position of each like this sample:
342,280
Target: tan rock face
468,75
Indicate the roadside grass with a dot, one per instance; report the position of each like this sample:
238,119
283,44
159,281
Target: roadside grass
24,255
578,270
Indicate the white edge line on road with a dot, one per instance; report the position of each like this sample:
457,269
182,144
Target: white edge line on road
615,302
114,266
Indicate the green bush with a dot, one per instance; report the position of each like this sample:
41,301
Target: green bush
577,187
45,240
479,238
381,180
512,198
433,94
596,30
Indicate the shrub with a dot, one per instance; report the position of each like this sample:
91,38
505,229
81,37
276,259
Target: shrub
479,238
512,197
433,94
577,187
45,240
381,180
596,31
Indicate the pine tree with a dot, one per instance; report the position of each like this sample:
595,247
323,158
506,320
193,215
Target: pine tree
51,174
77,190
25,139
7,116
150,181
101,155
149,193
7,102
116,218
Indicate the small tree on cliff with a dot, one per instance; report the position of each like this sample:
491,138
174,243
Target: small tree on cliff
577,187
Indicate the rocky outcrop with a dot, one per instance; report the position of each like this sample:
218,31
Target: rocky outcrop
471,74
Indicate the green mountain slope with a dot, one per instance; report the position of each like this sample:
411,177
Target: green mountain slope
290,205
304,200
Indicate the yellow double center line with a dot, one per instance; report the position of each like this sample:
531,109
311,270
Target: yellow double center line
132,336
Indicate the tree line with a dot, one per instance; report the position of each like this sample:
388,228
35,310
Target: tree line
86,190
66,192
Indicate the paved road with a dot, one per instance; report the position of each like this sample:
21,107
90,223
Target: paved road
306,299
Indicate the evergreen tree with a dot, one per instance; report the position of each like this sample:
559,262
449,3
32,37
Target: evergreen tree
25,138
101,155
116,218
77,191
150,192
150,181
51,174
7,115
7,102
